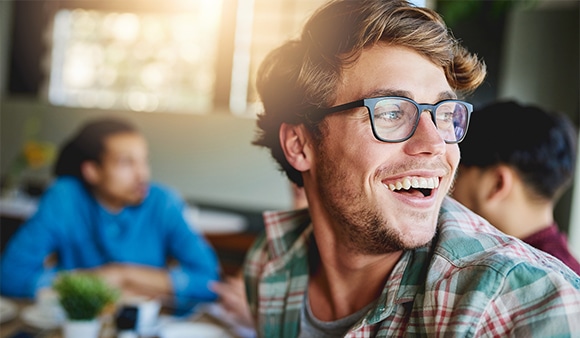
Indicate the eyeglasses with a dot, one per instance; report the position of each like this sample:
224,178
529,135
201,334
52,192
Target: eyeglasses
395,119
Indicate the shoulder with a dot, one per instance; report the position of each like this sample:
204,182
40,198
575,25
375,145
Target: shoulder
476,267
65,188
159,193
468,245
66,184
464,237
284,238
66,200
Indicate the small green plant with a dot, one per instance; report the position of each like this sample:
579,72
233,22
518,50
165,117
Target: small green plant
84,296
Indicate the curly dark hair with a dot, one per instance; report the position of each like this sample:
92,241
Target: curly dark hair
88,145
302,74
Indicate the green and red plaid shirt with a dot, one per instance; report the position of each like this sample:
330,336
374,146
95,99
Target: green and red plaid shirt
473,281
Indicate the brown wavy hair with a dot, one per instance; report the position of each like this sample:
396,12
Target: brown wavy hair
303,74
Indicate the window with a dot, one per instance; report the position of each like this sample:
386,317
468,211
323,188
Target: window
260,30
135,61
180,56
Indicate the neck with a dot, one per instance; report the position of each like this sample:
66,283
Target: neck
107,204
521,215
342,283
528,220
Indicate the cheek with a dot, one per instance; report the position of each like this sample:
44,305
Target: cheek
452,161
453,156
344,151
361,163
122,176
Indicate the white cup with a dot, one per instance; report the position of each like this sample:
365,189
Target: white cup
147,313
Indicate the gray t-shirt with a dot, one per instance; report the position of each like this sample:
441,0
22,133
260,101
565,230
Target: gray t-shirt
311,327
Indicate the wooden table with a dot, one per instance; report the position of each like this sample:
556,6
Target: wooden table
15,326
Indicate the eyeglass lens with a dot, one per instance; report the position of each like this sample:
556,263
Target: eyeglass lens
396,119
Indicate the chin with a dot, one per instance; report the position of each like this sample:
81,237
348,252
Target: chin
141,195
415,237
136,200
421,240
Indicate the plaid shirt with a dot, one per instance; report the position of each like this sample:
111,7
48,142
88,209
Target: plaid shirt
472,281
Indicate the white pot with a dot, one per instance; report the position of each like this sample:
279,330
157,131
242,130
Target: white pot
81,328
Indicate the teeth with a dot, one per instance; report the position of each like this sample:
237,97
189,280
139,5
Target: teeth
415,182
406,183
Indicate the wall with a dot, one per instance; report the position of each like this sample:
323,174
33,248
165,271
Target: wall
540,63
208,158
5,22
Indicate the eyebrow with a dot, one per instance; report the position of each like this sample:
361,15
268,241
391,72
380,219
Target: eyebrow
445,95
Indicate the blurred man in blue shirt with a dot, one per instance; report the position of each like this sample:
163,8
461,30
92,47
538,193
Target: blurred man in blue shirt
103,216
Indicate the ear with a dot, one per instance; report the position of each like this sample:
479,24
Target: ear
296,146
90,172
502,183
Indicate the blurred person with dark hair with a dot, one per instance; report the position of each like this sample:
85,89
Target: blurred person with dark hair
364,111
516,162
103,215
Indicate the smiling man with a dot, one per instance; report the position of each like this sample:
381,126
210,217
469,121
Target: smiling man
363,111
102,215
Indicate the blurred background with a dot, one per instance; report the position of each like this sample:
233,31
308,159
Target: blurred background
183,71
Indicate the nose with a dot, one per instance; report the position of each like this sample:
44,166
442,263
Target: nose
426,139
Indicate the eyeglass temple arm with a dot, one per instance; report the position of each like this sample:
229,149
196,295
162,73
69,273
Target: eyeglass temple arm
318,114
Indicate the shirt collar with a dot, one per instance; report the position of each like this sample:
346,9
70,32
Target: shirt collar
283,229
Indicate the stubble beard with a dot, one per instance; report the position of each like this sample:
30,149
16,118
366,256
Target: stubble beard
360,224
139,194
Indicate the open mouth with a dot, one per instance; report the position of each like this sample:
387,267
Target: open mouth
418,186
425,192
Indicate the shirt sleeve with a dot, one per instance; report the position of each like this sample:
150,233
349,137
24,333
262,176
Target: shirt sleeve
534,303
22,267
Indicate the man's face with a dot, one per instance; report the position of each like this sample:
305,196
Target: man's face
354,170
121,178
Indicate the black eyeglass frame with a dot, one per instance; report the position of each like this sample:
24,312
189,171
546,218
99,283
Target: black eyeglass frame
370,104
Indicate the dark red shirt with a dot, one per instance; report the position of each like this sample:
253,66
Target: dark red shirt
552,241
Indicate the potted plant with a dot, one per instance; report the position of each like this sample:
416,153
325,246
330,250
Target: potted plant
83,297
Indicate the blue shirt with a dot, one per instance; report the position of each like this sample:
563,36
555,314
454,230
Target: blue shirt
70,223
